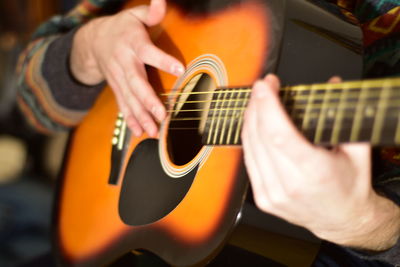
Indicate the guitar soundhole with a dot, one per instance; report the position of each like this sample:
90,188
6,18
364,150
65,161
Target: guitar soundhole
188,119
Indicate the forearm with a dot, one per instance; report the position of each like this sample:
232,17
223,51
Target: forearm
48,94
378,230
52,98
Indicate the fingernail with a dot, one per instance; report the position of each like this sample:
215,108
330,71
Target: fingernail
259,89
158,113
269,77
177,69
272,83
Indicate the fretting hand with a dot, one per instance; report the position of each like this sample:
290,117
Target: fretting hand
327,191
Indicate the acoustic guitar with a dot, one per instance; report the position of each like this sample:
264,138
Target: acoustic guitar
180,195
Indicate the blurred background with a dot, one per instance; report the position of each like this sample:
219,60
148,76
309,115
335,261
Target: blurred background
29,162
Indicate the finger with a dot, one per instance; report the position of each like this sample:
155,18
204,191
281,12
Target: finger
143,117
137,80
256,180
335,79
156,12
264,160
273,82
274,122
150,15
141,98
124,108
155,57
126,98
140,13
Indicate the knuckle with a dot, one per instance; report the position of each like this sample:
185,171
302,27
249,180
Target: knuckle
142,116
132,80
131,121
148,102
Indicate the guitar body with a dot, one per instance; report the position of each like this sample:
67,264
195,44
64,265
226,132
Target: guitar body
170,195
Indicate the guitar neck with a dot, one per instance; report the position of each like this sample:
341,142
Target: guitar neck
327,114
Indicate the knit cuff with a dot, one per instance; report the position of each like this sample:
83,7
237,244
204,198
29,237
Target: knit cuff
66,90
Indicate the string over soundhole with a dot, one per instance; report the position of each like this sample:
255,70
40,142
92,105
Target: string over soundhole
188,118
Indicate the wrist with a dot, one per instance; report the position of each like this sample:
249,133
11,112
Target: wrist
376,230
83,64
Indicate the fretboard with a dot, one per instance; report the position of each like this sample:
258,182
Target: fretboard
327,114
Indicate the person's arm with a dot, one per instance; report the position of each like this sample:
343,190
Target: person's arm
61,75
328,192
46,89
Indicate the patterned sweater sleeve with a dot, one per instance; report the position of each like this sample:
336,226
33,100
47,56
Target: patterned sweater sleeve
48,95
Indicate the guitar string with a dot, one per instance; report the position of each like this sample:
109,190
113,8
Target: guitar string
391,114
367,84
297,97
295,89
334,96
393,103
297,121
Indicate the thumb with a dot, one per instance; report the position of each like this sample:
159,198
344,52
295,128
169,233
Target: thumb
156,12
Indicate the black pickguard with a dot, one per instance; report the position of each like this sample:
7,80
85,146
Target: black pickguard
148,193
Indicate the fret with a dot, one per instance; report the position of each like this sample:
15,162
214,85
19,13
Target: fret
227,107
308,110
381,111
220,117
327,114
339,116
235,115
391,119
295,104
389,127
312,113
364,116
358,116
240,120
325,111
352,97
297,101
372,83
213,109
